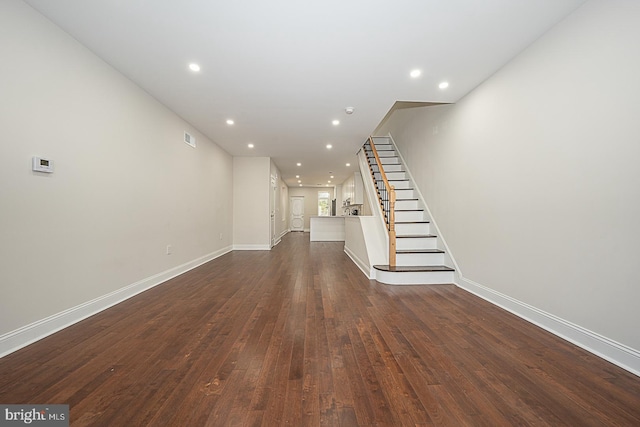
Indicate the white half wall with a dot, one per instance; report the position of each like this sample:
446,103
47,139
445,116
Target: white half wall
533,177
355,245
125,186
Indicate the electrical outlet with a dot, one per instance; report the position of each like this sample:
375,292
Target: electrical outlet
169,249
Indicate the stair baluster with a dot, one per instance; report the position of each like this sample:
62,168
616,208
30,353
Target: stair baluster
386,197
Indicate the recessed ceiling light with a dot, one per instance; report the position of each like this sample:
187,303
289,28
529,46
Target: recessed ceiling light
298,164
332,177
194,67
299,185
335,122
348,164
329,146
297,176
415,73
329,181
250,145
299,181
349,110
230,122
443,85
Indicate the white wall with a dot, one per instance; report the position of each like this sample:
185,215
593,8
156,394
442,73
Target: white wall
125,184
251,187
533,178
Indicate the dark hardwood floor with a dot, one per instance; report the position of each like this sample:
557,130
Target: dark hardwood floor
298,336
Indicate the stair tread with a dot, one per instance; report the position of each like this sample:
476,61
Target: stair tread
412,222
419,251
413,268
416,236
409,210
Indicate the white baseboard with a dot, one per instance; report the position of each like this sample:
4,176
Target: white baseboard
363,266
21,337
614,352
279,238
251,247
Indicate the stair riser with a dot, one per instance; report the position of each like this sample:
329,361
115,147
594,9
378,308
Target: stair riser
406,204
416,243
392,175
381,140
392,168
409,216
385,150
397,167
400,184
389,160
405,194
382,154
415,278
412,229
382,145
419,259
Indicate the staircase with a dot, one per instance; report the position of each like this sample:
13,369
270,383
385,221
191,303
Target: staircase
418,258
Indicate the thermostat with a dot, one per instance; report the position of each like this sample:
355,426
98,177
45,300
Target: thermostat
42,165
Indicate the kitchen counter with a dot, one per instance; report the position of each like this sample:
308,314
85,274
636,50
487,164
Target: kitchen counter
327,228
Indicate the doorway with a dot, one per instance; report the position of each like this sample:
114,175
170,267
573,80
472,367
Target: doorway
297,213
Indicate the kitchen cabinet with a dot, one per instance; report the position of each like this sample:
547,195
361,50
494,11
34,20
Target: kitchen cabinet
353,191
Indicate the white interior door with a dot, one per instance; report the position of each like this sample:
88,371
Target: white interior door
297,213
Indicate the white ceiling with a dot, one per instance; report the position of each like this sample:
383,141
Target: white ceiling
284,69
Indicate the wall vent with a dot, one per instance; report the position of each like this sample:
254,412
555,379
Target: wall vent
190,139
